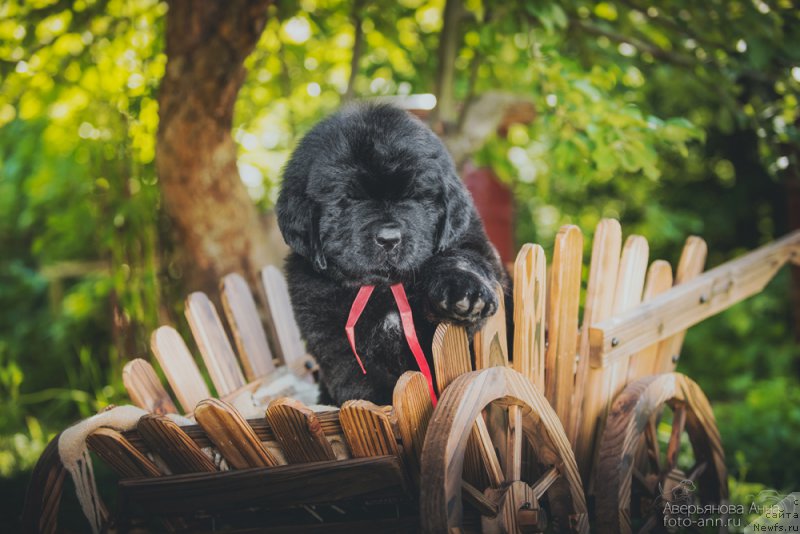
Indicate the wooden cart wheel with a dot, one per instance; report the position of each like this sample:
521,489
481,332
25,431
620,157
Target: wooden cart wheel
521,493
637,476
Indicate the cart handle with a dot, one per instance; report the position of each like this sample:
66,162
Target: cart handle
691,302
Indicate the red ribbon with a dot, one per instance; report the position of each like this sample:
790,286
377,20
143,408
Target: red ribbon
358,306
407,320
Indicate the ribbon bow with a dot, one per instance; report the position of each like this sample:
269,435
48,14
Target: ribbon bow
407,321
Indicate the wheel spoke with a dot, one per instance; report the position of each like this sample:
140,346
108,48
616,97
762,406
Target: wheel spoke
647,485
478,500
541,486
697,471
653,450
488,453
513,467
651,522
674,446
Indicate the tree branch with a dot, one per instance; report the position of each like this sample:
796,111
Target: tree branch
669,23
487,112
358,48
640,44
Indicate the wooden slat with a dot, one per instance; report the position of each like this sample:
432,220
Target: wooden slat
368,429
179,367
283,486
289,344
599,303
530,293
178,451
691,302
299,432
413,409
691,264
659,280
213,343
329,421
43,496
125,459
248,333
628,293
491,342
233,437
630,287
145,389
451,357
565,292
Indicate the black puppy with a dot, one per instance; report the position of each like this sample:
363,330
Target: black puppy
371,196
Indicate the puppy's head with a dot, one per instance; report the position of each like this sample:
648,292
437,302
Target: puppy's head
369,194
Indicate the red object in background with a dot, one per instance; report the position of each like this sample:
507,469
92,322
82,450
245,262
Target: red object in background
495,204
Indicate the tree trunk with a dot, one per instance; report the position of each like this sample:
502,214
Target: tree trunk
218,225
444,114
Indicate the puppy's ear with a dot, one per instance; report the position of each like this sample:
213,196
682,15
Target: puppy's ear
298,219
317,256
458,211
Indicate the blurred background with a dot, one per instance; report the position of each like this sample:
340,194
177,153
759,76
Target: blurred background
141,144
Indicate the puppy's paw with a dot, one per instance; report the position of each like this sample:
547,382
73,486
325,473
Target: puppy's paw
462,297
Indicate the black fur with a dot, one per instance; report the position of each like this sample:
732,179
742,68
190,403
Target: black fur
357,172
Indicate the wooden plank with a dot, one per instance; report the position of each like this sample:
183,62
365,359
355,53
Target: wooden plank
213,343
451,357
530,291
179,367
659,280
245,322
178,451
116,451
565,292
691,302
233,437
491,341
283,327
630,287
284,486
368,429
599,303
413,409
145,389
299,432
691,264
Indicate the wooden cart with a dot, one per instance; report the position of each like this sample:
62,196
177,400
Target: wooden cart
592,409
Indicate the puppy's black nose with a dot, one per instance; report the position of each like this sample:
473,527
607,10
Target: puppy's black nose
388,237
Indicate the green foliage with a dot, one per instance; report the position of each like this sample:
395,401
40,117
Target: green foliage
676,119
746,362
80,216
